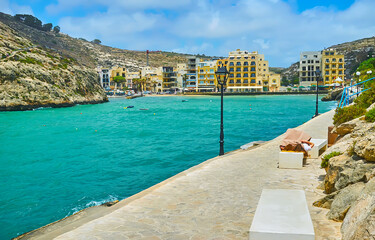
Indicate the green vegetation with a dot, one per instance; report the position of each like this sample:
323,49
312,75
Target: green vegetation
96,41
325,159
370,115
56,29
347,113
351,149
33,22
30,61
119,79
363,101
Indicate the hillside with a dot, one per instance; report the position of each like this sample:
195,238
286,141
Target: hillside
355,52
48,69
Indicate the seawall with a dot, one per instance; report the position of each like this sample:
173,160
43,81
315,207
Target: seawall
215,199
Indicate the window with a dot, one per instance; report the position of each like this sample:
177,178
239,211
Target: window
333,59
253,69
211,82
340,65
252,75
252,57
245,81
231,64
315,56
331,53
231,75
303,61
231,58
264,64
246,57
327,78
246,63
333,72
252,81
327,60
201,70
238,64
201,82
238,69
123,74
117,74
327,66
246,75
333,65
303,74
231,69
340,59
245,69
340,72
252,63
238,81
327,72
231,81
303,68
238,75
238,57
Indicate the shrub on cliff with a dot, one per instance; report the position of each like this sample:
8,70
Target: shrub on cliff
370,115
326,158
348,113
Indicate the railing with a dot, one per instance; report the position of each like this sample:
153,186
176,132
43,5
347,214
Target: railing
347,93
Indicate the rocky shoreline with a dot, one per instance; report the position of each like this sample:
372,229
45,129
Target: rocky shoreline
350,180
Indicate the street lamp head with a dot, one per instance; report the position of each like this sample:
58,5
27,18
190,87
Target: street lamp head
358,73
317,72
221,75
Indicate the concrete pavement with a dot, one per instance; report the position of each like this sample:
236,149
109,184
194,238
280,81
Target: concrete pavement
214,200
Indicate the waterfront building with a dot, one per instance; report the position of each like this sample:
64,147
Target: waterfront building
331,64
206,81
309,63
181,75
169,79
105,77
191,73
116,72
248,72
333,67
129,76
149,73
273,83
156,83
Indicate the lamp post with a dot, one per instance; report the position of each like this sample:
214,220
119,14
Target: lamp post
221,76
317,75
358,74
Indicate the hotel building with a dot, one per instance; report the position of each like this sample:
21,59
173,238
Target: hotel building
333,66
248,72
105,77
309,63
191,73
206,76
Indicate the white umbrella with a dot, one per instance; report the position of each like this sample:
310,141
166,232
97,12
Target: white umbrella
339,80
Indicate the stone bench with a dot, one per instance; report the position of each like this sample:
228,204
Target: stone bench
319,145
290,159
283,215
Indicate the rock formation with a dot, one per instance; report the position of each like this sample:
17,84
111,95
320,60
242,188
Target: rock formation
350,181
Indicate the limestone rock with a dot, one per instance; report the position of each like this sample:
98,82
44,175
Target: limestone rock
346,127
326,201
343,200
365,147
344,170
333,95
359,222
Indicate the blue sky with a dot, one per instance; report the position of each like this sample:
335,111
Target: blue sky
280,29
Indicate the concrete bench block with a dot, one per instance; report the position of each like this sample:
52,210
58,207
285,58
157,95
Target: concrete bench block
319,144
283,215
290,160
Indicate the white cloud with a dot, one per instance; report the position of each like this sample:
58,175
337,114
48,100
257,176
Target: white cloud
12,8
272,27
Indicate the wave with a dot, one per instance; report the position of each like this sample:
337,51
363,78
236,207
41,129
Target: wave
92,203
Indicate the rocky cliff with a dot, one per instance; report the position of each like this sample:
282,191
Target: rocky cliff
44,68
350,180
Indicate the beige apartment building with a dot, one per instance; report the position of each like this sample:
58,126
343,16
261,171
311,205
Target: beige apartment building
333,67
249,72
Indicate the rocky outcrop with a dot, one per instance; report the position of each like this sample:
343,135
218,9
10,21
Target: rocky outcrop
33,77
334,95
359,222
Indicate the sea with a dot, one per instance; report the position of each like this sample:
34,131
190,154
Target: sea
57,161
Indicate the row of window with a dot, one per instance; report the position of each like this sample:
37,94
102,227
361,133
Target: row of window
244,63
333,66
238,75
333,60
311,61
245,69
310,68
332,72
245,57
244,81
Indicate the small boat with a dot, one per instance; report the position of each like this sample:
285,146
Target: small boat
185,100
130,106
143,109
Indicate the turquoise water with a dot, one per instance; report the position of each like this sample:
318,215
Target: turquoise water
54,162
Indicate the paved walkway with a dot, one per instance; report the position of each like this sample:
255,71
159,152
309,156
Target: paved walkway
214,200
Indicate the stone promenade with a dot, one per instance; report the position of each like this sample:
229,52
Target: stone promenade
214,200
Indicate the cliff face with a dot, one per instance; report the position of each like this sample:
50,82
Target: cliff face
32,77
39,68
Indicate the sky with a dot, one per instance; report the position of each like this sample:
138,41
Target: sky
279,29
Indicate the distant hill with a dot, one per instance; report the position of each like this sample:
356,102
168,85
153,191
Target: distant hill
44,68
355,52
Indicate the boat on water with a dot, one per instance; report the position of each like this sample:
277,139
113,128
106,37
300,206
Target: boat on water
143,109
130,106
185,100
